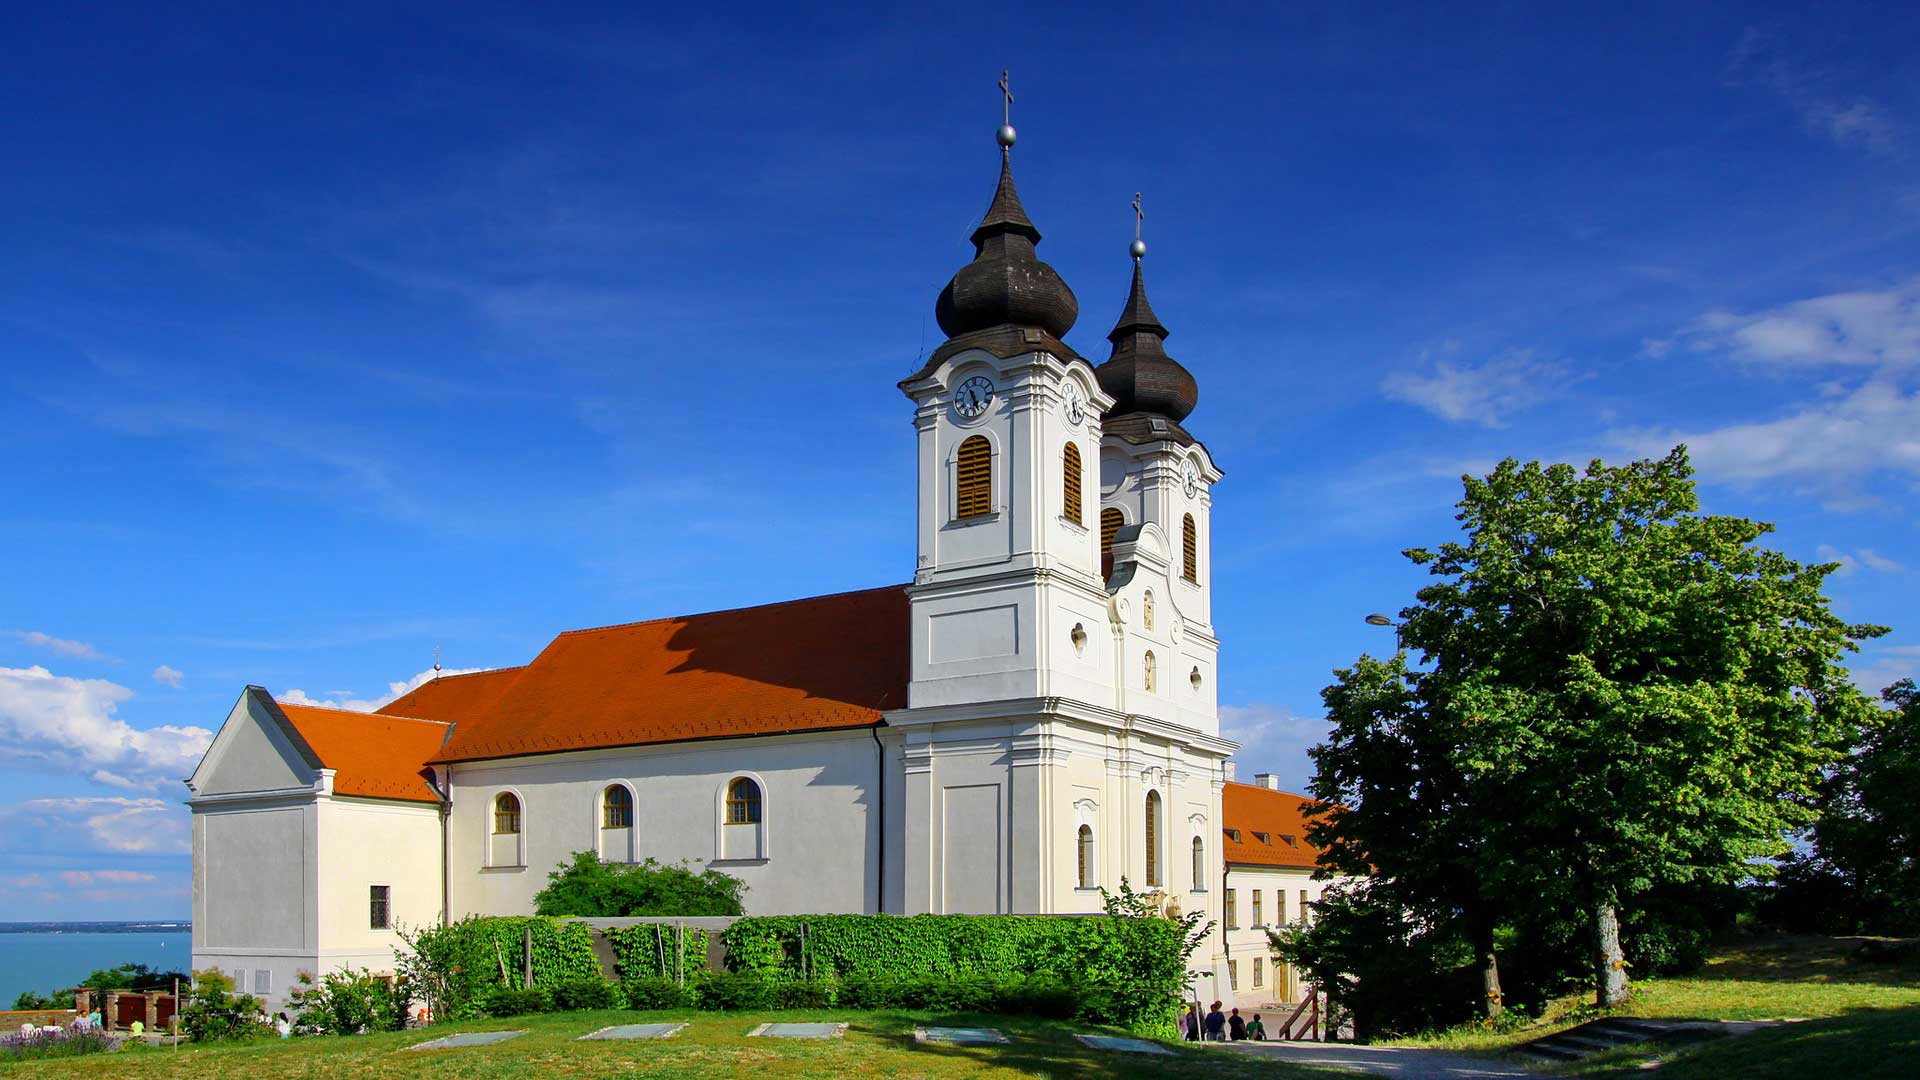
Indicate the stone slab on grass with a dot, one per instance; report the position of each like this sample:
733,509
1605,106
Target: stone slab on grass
1125,1045
635,1031
468,1038
798,1031
957,1035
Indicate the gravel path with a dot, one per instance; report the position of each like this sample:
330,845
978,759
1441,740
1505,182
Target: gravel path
1396,1061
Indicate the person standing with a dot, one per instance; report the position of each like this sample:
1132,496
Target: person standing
1216,1024
282,1025
1190,1023
1256,1030
1236,1027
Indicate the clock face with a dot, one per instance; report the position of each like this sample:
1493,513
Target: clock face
973,397
1076,405
1192,480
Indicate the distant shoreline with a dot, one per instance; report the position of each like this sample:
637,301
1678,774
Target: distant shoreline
181,927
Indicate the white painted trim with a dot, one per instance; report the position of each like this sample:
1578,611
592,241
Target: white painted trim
764,844
486,823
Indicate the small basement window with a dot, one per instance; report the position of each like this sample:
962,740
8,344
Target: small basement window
379,907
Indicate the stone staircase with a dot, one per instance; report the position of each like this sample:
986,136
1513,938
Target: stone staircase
1610,1032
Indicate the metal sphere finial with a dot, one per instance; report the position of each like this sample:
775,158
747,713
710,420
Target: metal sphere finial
1139,248
1005,135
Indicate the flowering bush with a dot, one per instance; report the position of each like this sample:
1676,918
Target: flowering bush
215,1012
352,1002
70,1041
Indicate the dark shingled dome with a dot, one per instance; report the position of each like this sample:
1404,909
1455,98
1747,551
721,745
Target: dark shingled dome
1006,283
1139,374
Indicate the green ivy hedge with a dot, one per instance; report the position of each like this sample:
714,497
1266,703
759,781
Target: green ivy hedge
647,951
456,966
1135,968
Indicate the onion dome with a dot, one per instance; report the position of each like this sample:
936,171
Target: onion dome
1139,374
1006,284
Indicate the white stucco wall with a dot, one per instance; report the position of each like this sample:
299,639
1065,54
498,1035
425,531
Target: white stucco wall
366,842
1248,940
820,839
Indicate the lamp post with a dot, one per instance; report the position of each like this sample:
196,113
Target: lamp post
1377,619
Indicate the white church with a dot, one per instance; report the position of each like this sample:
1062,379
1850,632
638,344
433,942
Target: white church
1032,717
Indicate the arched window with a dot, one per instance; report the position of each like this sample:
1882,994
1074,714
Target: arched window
1200,865
1153,839
1147,663
1189,550
974,493
506,814
1110,522
743,802
1086,856
1146,611
616,807
1070,483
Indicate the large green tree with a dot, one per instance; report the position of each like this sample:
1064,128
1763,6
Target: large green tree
1862,873
585,885
1629,692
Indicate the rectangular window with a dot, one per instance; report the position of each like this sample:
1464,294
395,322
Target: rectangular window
1303,905
1280,907
378,910
1259,976
1257,920
1233,974
1231,910
262,981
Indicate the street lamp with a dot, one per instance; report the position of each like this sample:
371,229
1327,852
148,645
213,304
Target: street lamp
1377,619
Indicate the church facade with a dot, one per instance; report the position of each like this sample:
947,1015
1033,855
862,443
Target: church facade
1032,717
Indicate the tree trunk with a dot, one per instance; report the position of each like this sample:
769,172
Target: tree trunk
1609,963
1491,997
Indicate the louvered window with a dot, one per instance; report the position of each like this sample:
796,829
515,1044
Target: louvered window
975,490
1189,550
1086,856
1070,478
616,808
1110,522
1153,839
506,814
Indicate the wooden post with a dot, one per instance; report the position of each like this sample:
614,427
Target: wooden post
526,958
111,1014
176,1012
680,953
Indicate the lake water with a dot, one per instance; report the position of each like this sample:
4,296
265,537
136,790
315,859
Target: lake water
44,962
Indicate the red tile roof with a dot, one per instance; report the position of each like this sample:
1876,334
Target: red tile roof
378,757
805,665
1248,809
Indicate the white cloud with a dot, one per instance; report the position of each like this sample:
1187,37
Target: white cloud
105,877
1827,444
95,823
1273,739
1845,119
168,676
1486,393
341,699
1851,561
1865,328
70,724
1876,561
77,649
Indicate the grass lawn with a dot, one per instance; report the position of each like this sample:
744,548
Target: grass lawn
712,1045
1860,1020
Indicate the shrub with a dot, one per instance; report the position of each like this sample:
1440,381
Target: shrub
649,992
586,994
70,1041
455,967
352,1002
732,992
215,1013
810,994
507,1001
588,886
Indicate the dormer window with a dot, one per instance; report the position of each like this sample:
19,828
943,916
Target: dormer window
1233,835
1262,837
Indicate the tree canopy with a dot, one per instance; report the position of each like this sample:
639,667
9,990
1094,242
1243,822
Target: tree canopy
1617,693
588,886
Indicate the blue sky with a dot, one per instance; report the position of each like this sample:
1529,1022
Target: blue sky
331,336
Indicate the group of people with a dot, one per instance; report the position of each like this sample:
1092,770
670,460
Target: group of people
1216,1026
